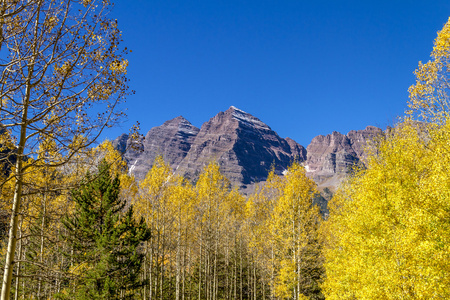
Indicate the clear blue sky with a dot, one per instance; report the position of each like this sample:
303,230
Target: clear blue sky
303,67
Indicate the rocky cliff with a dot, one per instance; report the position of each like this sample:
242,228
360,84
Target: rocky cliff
172,140
244,146
246,149
330,158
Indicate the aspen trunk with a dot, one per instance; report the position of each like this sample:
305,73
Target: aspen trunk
272,275
12,238
240,267
150,271
144,292
16,292
214,287
41,253
178,275
235,270
161,275
200,267
255,281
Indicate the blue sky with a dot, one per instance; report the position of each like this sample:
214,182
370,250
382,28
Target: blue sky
303,67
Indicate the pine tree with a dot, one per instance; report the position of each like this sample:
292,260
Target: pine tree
104,258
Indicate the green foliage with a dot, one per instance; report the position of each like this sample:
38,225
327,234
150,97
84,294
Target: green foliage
105,260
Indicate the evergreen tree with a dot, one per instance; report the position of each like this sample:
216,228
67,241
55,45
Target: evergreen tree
104,258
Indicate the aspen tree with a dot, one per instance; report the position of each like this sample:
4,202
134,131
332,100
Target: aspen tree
259,210
182,205
294,225
157,203
46,203
61,66
429,96
387,235
215,204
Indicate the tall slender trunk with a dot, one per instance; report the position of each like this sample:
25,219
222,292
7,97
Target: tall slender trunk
144,292
235,269
207,268
41,250
178,271
16,292
189,274
150,270
200,262
254,280
214,288
272,274
162,260
264,288
12,238
227,273
299,257
183,272
249,278
240,267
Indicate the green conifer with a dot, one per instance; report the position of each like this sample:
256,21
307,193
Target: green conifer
103,241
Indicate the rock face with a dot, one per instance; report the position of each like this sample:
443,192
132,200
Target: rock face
244,147
120,143
359,138
297,150
172,141
330,158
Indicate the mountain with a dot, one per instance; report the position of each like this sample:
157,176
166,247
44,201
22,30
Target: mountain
246,149
172,140
244,146
330,158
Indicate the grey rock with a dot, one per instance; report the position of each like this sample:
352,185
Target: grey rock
120,143
297,150
332,157
172,140
246,150
244,147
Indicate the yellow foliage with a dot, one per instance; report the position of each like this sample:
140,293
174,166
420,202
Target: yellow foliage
389,226
119,66
285,285
114,159
281,223
293,223
429,96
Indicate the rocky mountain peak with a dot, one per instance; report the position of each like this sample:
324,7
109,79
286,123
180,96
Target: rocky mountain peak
120,143
245,148
246,119
330,158
179,125
243,145
172,140
179,122
297,150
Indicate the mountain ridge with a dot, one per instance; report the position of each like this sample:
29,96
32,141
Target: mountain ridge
245,148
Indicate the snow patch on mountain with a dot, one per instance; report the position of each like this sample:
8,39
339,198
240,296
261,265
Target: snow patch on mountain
248,119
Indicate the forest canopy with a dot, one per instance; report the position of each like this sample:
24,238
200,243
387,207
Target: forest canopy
76,224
